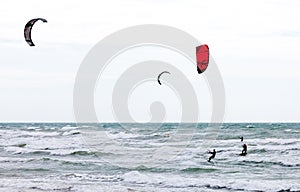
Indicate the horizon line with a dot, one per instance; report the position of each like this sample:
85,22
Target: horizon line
111,122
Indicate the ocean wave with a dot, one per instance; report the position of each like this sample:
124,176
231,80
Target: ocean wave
271,163
72,132
31,152
89,153
150,169
69,127
33,169
209,186
199,169
52,189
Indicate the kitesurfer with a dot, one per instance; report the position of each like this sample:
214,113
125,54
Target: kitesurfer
242,139
244,151
213,155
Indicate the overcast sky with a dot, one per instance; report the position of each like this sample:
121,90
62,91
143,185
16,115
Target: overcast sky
254,43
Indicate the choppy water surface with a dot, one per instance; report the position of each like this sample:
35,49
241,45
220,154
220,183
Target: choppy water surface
60,157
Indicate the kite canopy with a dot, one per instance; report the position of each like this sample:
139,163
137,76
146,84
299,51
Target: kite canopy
28,27
202,54
158,78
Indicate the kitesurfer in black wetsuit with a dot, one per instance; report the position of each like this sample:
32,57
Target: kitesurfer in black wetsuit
213,155
244,151
242,138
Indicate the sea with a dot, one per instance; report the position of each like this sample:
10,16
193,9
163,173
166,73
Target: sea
149,157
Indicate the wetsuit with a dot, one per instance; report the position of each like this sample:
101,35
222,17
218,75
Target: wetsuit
242,138
244,151
213,155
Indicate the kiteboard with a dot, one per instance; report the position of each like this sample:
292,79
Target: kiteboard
242,154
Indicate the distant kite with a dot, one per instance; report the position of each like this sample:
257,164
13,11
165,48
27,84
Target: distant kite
202,54
28,27
158,78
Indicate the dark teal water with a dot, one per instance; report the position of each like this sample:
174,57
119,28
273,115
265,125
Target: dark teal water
148,157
